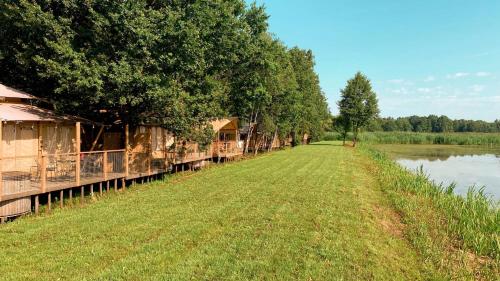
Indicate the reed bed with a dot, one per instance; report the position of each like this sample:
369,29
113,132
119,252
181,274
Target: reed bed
473,221
489,139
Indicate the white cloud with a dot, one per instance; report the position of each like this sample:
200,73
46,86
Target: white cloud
430,78
483,74
457,75
424,90
477,88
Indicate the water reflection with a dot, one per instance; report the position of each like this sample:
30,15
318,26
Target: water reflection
464,165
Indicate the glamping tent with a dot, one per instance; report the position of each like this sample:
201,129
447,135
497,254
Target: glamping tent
227,143
37,150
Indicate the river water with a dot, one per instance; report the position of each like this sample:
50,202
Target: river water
466,166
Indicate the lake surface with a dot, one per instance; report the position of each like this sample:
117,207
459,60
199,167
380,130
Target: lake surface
464,165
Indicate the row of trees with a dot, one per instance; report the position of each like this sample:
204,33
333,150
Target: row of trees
432,123
178,63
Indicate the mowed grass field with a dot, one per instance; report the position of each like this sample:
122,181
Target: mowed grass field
311,213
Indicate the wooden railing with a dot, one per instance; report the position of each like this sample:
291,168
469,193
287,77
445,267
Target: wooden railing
229,147
28,175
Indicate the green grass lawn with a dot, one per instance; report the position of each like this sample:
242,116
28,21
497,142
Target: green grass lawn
312,213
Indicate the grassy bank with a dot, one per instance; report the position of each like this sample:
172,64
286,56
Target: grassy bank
317,212
491,139
438,220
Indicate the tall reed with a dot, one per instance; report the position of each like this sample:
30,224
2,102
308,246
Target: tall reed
490,139
474,219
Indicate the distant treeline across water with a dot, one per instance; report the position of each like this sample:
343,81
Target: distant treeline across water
432,123
491,139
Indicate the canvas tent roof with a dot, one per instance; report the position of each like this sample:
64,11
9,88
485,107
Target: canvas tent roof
9,92
218,124
26,112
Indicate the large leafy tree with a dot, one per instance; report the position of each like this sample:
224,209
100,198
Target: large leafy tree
358,104
176,63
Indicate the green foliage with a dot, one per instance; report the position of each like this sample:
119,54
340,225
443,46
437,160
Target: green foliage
175,63
431,138
434,124
358,104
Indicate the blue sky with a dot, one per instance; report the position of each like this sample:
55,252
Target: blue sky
423,57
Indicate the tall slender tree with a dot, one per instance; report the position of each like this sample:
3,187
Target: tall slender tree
358,105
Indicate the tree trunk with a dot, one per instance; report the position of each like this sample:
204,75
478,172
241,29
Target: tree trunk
355,136
273,139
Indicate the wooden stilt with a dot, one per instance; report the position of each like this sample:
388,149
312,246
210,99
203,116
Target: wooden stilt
92,190
123,184
37,204
116,185
71,195
61,198
82,193
2,220
100,188
49,202
107,186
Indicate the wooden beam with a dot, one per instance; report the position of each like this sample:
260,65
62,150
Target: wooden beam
49,202
94,143
126,150
77,150
1,161
150,149
37,204
61,198
105,165
43,173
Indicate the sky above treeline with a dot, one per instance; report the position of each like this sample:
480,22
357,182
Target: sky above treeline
423,57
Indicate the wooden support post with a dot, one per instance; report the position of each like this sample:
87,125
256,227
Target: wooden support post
61,198
37,204
150,149
104,165
126,150
82,194
77,150
100,188
123,184
49,202
116,185
2,220
71,195
92,190
1,161
43,173
107,186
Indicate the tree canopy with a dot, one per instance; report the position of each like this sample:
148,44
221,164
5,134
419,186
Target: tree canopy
433,124
176,63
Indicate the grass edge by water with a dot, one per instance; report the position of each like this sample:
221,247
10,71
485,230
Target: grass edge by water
447,229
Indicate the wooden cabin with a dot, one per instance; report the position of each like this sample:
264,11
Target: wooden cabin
227,143
38,150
